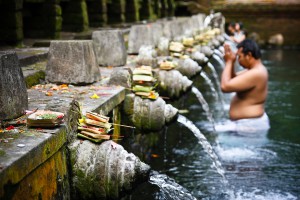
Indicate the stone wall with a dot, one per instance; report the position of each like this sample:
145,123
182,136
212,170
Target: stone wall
47,18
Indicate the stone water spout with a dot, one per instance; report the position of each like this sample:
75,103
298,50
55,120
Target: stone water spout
104,171
207,51
188,67
146,114
172,83
200,58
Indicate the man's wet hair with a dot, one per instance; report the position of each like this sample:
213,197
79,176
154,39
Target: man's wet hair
250,46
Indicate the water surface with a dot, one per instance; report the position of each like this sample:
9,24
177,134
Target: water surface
264,166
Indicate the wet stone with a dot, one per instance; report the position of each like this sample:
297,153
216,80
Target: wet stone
13,93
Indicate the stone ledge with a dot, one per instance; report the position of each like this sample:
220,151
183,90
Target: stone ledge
40,144
16,162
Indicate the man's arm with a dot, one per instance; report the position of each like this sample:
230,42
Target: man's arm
232,82
228,72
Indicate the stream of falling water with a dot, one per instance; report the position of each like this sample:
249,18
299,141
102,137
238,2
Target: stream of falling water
205,144
168,188
217,82
211,85
204,104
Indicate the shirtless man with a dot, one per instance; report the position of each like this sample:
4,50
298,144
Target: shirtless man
250,85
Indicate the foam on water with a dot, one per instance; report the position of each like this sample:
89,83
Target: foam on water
257,194
236,154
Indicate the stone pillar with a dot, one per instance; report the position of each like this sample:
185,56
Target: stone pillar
11,21
52,19
72,62
97,12
75,16
140,35
146,10
132,10
171,8
109,48
157,8
13,92
164,8
116,11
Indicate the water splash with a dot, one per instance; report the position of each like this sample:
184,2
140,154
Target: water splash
169,189
204,104
205,144
211,85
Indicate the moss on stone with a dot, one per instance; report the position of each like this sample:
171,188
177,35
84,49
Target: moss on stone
35,78
2,153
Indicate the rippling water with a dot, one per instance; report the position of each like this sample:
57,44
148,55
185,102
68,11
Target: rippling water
264,167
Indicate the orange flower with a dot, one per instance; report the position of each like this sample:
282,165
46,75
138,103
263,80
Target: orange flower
49,93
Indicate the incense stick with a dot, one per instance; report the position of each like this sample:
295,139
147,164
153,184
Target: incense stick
122,125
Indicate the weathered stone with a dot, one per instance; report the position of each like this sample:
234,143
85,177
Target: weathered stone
109,47
139,35
170,113
172,83
72,62
199,58
147,56
163,46
148,115
208,52
120,76
276,40
128,105
13,92
188,67
157,32
171,29
103,171
198,21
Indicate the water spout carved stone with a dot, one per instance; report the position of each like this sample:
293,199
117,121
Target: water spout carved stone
147,114
104,171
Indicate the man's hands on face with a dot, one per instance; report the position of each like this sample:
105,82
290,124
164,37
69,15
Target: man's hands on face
229,55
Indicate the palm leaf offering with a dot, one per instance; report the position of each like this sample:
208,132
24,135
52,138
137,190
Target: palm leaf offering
143,82
150,95
176,47
45,118
188,42
143,70
141,88
167,65
139,77
94,127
